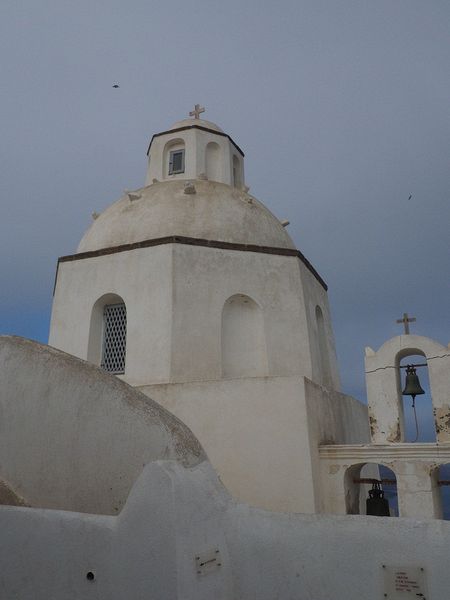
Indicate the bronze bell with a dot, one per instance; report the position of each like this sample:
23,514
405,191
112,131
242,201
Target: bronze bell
376,504
412,383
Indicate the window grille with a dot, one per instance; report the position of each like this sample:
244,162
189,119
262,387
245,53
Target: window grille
176,162
114,338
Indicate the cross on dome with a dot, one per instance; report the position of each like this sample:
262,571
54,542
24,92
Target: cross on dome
406,321
197,111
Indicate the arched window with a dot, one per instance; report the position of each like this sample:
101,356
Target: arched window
213,161
174,157
108,334
324,360
243,340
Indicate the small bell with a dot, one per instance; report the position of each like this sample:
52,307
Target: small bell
412,383
376,504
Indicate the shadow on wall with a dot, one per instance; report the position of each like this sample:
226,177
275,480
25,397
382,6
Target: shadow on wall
323,355
442,477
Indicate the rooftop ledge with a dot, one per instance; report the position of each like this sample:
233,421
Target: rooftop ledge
369,452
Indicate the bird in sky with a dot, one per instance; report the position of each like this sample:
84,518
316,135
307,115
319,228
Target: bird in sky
116,85
410,196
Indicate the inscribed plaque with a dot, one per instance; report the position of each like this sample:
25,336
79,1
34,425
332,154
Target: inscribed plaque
404,583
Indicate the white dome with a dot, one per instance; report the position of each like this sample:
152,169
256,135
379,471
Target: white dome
199,122
216,212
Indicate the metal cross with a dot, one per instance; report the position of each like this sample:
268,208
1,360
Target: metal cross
406,321
197,111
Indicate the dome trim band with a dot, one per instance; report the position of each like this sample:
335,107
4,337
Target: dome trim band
176,239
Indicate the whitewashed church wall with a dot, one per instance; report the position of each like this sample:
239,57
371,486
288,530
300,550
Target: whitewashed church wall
316,296
333,418
174,296
331,557
73,437
204,279
174,515
255,433
146,288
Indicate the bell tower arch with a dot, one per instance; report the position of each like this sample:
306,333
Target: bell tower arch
384,393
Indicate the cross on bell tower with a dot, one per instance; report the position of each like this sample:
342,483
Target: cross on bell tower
406,321
197,111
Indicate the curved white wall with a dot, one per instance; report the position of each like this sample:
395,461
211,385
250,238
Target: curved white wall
174,515
73,437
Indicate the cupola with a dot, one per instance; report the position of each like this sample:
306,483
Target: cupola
195,149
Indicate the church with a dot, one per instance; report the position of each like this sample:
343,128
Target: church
184,434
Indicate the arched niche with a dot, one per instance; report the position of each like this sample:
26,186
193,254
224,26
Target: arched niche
243,339
107,331
358,481
237,172
174,158
322,345
213,162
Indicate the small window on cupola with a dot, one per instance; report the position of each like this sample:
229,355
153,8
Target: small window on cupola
176,162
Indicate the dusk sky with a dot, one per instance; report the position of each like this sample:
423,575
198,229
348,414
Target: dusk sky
341,107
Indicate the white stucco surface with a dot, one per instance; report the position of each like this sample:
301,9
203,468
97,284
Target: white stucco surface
215,212
175,514
237,374
175,296
237,343
224,337
144,284
262,435
73,437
